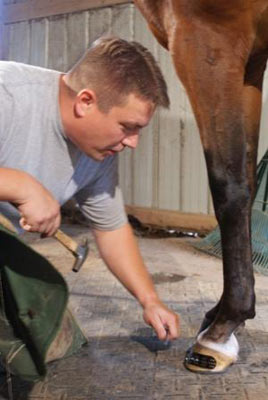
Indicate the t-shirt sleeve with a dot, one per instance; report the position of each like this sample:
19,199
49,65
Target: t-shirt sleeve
101,202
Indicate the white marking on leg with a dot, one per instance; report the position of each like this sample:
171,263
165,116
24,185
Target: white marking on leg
230,348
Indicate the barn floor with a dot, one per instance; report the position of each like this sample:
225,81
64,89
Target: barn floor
123,360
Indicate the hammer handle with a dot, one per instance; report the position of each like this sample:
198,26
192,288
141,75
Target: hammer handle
7,224
66,240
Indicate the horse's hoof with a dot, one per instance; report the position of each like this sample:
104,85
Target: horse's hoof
203,360
211,357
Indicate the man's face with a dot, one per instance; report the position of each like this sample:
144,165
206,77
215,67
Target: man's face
101,134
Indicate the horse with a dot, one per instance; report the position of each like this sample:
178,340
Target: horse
219,50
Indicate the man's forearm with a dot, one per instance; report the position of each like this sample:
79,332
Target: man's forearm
13,184
121,254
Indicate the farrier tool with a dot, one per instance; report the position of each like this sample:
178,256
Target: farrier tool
80,252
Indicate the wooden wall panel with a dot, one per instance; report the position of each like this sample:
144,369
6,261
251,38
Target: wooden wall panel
76,37
32,9
1,31
171,138
19,42
5,43
39,42
120,28
145,157
99,23
57,44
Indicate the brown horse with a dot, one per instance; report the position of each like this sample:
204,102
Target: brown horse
220,49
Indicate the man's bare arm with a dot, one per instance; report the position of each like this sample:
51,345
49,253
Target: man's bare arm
121,254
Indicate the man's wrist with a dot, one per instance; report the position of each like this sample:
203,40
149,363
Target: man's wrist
149,299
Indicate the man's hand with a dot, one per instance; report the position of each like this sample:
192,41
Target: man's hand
40,211
164,321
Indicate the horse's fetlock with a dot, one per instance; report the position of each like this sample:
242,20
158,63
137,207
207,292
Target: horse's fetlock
239,308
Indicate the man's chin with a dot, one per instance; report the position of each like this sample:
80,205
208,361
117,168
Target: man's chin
97,156
100,156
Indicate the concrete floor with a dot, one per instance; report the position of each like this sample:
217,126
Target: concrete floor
123,359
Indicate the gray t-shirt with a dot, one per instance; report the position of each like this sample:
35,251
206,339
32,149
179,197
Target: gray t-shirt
32,139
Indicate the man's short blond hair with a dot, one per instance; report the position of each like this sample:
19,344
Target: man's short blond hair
114,68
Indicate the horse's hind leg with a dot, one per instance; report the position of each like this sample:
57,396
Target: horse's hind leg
212,64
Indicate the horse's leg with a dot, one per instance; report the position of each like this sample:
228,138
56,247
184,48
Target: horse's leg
211,62
251,110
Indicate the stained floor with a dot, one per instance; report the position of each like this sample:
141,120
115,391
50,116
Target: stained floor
123,360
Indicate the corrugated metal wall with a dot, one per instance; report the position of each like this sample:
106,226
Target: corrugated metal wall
167,170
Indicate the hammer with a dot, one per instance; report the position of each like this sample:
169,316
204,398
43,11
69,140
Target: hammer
80,252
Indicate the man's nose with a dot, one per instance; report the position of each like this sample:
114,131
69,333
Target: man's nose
131,141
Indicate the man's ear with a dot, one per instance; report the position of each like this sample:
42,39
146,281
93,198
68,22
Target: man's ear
84,101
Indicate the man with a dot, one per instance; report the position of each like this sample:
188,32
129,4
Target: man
59,138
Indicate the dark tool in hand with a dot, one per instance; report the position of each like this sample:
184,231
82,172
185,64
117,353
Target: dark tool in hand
80,252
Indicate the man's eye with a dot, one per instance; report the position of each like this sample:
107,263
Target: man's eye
127,129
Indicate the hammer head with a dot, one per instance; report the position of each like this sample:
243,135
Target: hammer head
80,255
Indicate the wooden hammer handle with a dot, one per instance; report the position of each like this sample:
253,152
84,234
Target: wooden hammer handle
66,240
7,224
